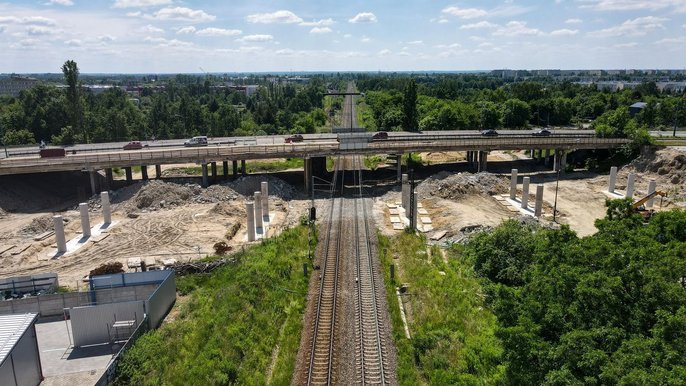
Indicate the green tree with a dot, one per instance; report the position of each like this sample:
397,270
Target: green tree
516,113
410,118
71,75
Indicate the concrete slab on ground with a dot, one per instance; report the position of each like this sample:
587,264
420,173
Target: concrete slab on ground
516,205
393,212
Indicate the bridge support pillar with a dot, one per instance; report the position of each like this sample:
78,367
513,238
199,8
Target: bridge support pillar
59,234
525,193
630,185
613,180
204,175
106,210
651,189
264,188
129,175
399,163
513,184
144,172
483,161
85,220
560,163
243,170
532,154
225,169
250,228
259,221
539,201
234,164
308,174
109,178
214,171
94,182
158,171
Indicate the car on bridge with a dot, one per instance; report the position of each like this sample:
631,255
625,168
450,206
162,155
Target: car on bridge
196,141
133,145
381,135
294,138
541,133
489,133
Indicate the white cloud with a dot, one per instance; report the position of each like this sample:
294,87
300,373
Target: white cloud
319,23
2,29
464,13
634,27
134,14
256,38
443,21
320,30
680,40
574,21
186,30
626,45
564,32
280,17
363,17
453,45
481,24
35,30
29,20
634,5
215,32
517,28
183,13
151,29
167,42
416,42
384,52
66,3
74,43
139,3
365,39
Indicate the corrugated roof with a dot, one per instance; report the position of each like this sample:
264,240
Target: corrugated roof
639,105
12,327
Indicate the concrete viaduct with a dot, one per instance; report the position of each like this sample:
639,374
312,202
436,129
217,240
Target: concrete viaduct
314,151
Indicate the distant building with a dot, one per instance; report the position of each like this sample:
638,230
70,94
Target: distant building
248,90
16,84
19,356
637,108
675,87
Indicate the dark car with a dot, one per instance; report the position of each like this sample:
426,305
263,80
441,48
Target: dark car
294,138
380,135
489,133
541,133
133,145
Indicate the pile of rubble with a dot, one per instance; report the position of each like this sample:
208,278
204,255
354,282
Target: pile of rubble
454,186
38,225
248,185
670,167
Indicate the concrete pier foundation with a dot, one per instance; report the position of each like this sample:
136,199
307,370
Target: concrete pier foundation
158,171
399,163
259,220
513,184
307,175
483,161
106,210
85,220
525,192
59,234
234,165
129,175
214,171
560,163
264,189
405,193
250,226
630,185
538,209
109,178
205,181
415,211
244,171
94,181
613,179
225,170
144,172
652,185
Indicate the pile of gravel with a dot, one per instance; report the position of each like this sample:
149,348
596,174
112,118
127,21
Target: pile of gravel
454,186
37,226
248,185
668,163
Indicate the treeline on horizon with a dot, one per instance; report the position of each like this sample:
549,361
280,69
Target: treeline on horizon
182,106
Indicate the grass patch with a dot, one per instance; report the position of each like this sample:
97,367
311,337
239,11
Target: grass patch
372,162
275,165
453,339
228,330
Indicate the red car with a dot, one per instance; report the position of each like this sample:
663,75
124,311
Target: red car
133,145
294,138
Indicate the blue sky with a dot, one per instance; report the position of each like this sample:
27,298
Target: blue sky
132,36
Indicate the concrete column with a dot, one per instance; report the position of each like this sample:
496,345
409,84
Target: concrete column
250,228
563,161
415,212
106,211
525,192
483,161
556,159
234,165
546,157
532,154
651,189
109,177
205,182
214,171
129,175
94,182
399,162
243,169
59,234
630,185
225,169
85,221
158,171
613,179
405,193
308,174
513,184
264,189
144,172
539,200
258,211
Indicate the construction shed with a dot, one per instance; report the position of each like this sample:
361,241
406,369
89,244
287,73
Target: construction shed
19,357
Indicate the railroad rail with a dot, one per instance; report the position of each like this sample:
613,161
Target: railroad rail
371,354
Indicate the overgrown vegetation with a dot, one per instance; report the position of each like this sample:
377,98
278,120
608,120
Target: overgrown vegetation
453,341
241,324
609,309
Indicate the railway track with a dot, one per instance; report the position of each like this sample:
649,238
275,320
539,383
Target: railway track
371,357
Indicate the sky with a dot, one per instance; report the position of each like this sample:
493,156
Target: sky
171,36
